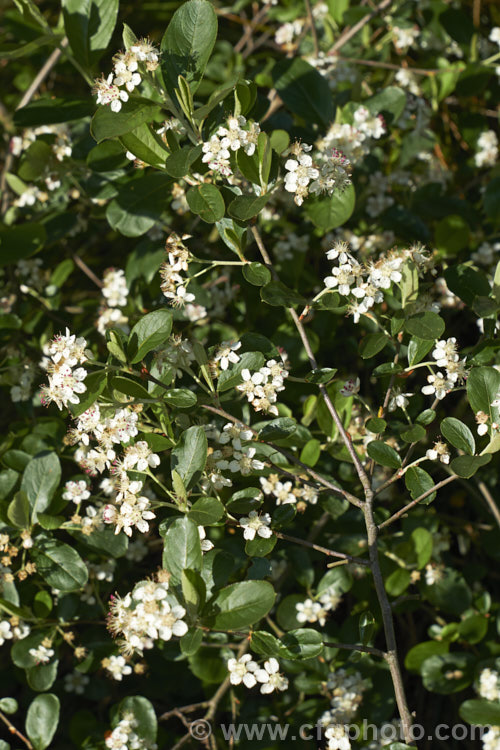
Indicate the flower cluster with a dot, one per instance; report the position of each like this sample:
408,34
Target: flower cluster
124,736
65,379
255,524
115,293
261,387
126,74
353,139
447,358
245,670
236,134
233,455
347,694
487,153
173,285
285,493
145,616
317,611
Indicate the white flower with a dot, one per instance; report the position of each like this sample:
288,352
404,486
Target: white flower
76,682
76,491
117,667
41,655
337,738
254,524
5,631
482,423
495,35
487,154
270,677
439,451
241,670
398,399
438,384
115,288
350,387
226,354
108,93
234,433
244,462
299,174
309,611
206,544
489,685
433,573
445,352
342,277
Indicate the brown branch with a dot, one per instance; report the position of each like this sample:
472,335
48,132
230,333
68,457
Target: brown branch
87,271
351,31
324,550
313,27
16,732
26,98
416,501
489,501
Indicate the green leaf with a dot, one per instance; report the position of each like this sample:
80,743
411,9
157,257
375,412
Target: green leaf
181,398
417,349
422,543
129,387
42,676
40,480
18,511
146,145
194,591
390,103
383,454
20,242
376,424
473,628
50,111
322,375
419,481
409,283
206,511
447,673
458,434
452,234
206,200
415,433
303,643
191,641
264,151
95,382
232,377
148,333
264,643
260,547
182,548
256,274
277,294
466,466
144,714
422,651
478,711
367,627
372,344
397,582
467,282
245,207
188,43
425,325
89,25
450,593
304,91
59,564
8,705
107,124
331,211
139,204
483,385
277,429
42,720
179,163
240,605
190,455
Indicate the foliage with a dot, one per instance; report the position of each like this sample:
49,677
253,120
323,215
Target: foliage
255,282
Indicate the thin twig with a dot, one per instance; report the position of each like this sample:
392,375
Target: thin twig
16,732
416,501
356,647
25,99
490,501
87,271
313,27
353,30
324,550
